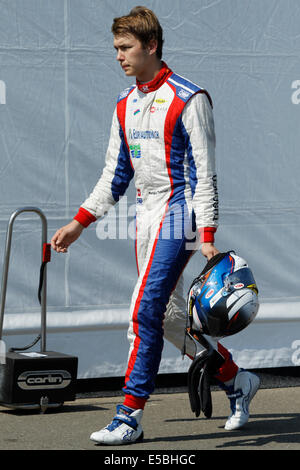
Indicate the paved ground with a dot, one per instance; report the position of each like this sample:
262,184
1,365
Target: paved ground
169,425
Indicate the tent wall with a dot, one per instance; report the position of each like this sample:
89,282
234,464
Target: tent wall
59,81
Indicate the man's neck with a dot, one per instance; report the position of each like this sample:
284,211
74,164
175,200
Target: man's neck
151,72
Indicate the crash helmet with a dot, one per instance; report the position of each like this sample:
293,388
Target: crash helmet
223,299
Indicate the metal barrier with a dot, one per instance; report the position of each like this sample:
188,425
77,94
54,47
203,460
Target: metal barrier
6,268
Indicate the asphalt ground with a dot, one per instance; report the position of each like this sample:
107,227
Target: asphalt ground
170,428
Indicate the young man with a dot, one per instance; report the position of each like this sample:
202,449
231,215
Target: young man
162,134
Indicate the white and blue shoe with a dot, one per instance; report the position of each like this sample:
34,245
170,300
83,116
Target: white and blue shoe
125,428
240,395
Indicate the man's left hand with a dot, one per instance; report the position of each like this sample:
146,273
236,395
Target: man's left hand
209,250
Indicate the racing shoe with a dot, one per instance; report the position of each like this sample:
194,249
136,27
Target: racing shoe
240,395
125,428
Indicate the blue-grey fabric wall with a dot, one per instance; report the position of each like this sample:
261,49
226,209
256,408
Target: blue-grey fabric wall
59,81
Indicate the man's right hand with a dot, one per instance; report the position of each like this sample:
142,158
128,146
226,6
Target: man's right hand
66,235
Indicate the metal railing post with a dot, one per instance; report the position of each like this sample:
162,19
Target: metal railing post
6,267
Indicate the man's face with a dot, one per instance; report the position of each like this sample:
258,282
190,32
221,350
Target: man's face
133,58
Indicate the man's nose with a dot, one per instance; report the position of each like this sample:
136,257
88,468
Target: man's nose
120,55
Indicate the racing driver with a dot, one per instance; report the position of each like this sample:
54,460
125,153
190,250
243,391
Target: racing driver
162,135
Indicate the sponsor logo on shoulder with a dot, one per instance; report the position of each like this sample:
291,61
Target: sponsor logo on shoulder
124,93
184,94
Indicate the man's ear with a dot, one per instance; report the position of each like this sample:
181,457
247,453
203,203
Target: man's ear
152,46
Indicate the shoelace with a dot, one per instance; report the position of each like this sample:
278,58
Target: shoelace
116,422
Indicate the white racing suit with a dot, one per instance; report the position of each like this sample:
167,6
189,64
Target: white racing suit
162,134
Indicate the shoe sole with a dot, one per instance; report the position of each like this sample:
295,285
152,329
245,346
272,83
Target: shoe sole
139,439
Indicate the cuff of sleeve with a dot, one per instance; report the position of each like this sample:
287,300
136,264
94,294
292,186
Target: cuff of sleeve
207,234
84,217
